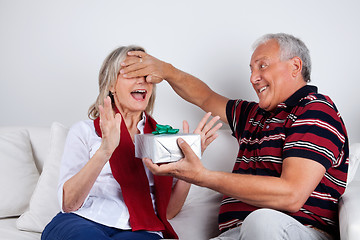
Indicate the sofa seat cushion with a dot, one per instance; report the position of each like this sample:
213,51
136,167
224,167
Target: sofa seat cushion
198,217
8,230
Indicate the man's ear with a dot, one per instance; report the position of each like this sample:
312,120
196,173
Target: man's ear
296,64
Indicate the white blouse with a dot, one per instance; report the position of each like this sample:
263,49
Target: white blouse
104,203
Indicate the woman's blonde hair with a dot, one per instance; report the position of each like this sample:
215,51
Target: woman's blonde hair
108,74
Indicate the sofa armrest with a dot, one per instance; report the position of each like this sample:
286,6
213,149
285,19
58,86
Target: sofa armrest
349,212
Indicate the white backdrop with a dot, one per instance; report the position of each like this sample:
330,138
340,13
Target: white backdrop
51,51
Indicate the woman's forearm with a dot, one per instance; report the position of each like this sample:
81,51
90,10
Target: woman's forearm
177,199
76,189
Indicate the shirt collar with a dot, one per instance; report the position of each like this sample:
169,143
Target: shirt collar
141,123
293,99
299,94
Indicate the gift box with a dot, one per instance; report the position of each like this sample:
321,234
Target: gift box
163,148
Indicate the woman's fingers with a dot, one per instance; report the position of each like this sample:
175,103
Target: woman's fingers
107,113
202,123
207,131
110,126
203,127
118,121
107,117
211,139
213,130
210,124
185,127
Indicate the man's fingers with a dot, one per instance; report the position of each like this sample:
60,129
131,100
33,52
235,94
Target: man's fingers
185,127
130,60
153,79
185,148
130,69
150,165
161,170
134,71
137,53
133,57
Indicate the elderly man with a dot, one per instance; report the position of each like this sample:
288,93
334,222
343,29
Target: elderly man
292,163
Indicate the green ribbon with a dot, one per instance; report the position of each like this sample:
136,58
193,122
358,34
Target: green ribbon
164,129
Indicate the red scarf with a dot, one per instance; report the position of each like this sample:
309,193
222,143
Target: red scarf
129,172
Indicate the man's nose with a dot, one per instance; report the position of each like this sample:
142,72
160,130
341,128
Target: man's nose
255,77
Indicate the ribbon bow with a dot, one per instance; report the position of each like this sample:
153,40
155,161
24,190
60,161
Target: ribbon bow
164,129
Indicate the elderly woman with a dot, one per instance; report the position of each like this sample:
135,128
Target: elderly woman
105,192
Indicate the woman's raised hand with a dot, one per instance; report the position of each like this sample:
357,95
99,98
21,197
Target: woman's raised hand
207,132
110,128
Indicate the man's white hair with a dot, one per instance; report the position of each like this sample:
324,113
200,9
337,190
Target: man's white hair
290,47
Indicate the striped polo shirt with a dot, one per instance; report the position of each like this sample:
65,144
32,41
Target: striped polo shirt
306,125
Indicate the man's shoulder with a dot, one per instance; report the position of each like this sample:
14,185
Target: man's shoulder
232,105
317,100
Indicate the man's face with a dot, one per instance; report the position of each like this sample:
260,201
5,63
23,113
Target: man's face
270,77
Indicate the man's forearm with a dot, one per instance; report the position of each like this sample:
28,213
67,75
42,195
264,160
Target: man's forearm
260,191
187,86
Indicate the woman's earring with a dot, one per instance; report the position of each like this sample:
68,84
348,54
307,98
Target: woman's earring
111,95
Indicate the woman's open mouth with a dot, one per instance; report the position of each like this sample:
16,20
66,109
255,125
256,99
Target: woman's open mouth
139,94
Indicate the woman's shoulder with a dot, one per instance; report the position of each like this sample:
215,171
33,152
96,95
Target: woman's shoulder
83,128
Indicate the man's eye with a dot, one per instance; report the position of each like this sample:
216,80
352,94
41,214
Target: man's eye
262,65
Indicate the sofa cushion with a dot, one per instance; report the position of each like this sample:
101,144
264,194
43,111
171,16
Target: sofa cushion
44,204
18,173
354,160
8,230
198,219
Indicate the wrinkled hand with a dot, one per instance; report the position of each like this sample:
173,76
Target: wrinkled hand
110,127
188,169
140,64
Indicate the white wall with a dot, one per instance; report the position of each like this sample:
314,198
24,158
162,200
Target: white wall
51,51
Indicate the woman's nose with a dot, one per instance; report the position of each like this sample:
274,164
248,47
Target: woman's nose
140,80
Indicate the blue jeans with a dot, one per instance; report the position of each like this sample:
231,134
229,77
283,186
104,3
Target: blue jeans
268,224
69,226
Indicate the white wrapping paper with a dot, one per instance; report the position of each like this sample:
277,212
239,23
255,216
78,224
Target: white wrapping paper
163,148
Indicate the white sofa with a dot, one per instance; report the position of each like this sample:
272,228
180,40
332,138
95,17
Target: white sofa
30,158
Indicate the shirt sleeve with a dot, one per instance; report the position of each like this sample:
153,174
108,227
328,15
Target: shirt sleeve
318,133
76,155
229,114
237,113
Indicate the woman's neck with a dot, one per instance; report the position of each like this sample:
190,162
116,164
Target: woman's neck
131,119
